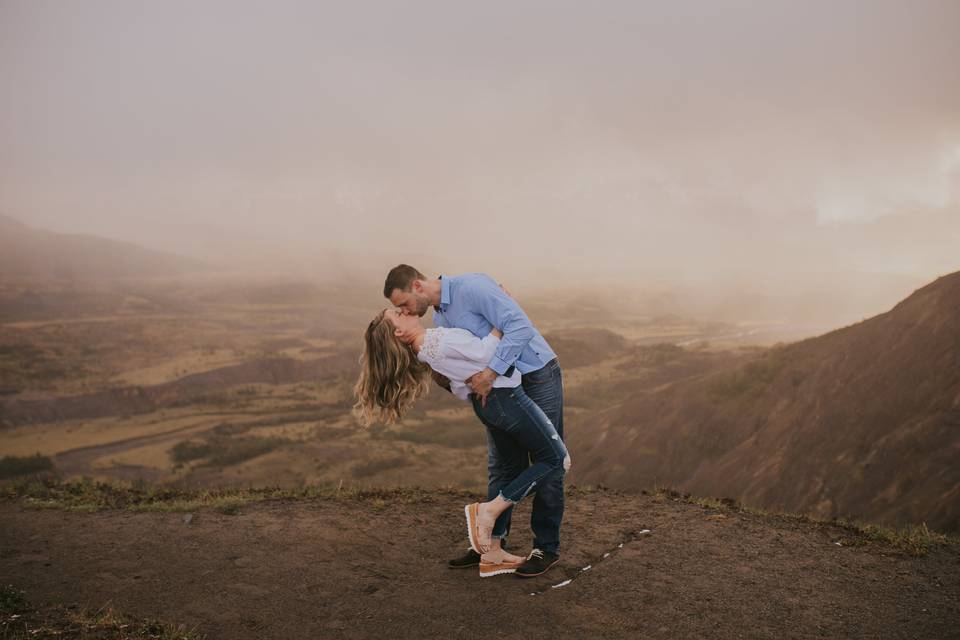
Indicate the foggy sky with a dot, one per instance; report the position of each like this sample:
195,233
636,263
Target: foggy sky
698,141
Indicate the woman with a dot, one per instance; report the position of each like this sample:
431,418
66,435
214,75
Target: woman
398,356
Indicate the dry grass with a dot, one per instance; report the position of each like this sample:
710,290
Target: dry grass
914,540
21,620
46,492
49,492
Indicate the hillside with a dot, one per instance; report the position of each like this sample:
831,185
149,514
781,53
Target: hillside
36,253
863,421
372,565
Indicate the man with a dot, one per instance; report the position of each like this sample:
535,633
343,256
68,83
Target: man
475,302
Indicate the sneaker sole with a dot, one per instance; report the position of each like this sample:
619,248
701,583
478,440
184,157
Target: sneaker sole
486,573
471,515
534,575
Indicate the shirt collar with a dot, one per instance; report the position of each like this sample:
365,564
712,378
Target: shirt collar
444,295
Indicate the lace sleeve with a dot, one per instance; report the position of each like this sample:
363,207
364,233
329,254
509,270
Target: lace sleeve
432,348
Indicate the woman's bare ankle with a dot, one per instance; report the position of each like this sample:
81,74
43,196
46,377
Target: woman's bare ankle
499,555
494,555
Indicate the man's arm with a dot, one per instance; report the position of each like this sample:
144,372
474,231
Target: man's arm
494,303
491,301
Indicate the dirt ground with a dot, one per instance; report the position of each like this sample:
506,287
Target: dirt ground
362,568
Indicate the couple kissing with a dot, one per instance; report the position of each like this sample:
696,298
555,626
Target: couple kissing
484,350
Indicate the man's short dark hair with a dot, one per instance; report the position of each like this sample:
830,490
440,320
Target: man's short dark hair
401,277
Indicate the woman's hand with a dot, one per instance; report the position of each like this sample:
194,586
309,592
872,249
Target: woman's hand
496,332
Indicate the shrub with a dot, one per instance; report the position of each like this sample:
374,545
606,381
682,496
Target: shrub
189,450
223,451
237,450
21,465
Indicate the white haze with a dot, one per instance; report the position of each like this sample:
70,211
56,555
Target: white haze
712,149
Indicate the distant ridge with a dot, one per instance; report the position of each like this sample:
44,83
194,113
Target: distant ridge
863,421
37,253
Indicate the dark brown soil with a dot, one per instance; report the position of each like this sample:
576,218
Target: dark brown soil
360,568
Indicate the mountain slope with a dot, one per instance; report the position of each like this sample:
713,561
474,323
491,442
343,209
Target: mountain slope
863,421
37,253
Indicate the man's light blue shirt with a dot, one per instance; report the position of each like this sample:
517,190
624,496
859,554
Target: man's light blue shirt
475,302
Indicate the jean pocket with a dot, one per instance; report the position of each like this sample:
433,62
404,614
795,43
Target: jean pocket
538,376
494,411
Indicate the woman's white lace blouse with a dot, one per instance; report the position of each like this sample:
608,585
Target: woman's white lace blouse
458,354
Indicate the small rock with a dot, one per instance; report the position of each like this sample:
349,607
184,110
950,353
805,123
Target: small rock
188,518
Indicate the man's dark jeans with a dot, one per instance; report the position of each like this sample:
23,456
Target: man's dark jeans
505,462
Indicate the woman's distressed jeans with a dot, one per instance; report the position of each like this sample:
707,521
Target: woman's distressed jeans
526,452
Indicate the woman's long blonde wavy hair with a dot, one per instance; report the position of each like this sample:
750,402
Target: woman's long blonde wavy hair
391,376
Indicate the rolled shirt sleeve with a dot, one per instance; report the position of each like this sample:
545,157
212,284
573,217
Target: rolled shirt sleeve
503,312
